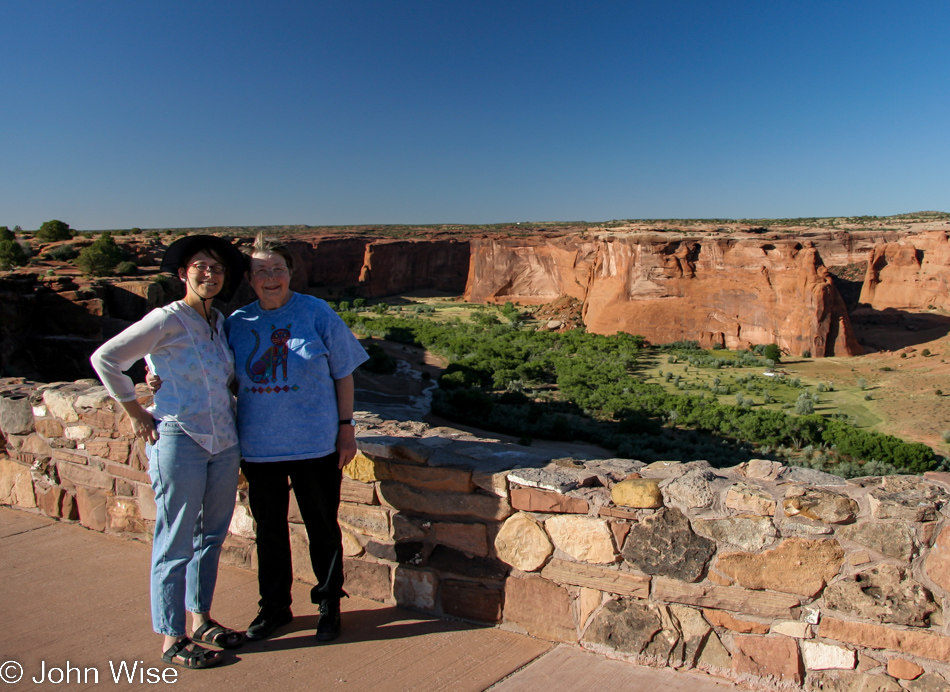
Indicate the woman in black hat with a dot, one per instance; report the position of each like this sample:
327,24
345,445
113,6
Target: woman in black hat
192,442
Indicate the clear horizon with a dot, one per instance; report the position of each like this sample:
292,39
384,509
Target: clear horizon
182,115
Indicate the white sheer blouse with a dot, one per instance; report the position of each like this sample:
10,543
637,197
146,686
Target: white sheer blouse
195,369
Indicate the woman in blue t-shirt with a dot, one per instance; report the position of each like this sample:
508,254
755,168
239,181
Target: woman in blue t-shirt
294,359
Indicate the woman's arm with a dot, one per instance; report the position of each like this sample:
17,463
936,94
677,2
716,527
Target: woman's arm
346,437
119,354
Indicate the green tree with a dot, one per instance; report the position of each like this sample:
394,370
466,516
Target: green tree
54,230
772,352
102,257
6,234
11,255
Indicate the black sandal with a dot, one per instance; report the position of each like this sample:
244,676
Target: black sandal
218,635
195,657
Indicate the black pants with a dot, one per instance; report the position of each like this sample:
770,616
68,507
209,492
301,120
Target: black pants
316,484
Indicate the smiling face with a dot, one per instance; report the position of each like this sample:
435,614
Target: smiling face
203,284
270,279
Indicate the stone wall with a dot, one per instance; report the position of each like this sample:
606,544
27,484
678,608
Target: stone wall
766,574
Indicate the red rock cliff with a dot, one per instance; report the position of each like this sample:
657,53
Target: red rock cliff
734,292
912,273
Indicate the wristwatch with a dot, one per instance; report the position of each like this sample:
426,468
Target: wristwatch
348,421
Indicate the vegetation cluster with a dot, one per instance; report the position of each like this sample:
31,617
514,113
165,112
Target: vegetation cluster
575,386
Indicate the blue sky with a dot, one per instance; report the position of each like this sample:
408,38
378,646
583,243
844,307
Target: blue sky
202,113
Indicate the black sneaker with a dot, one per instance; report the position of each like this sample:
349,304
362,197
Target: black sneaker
267,621
328,628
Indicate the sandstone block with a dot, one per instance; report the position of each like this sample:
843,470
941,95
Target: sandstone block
692,489
370,521
522,543
242,523
588,600
48,427
767,657
907,498
59,403
634,628
351,546
300,555
93,508
693,630
757,604
16,415
84,475
355,491
923,644
883,594
16,484
820,505
425,478
372,580
124,515
543,609
664,544
146,498
714,655
599,578
937,564
534,500
469,538
902,669
49,500
447,560
583,538
366,469
619,513
850,681
492,483
720,618
642,493
407,528
749,532
795,629
78,432
414,588
99,419
404,497
77,460
95,398
928,682
819,656
36,445
471,601
752,499
620,530
891,539
798,566
122,471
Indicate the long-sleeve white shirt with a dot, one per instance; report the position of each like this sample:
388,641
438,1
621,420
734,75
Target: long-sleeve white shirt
176,342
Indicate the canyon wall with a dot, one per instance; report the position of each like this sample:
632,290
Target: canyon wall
766,574
718,291
911,273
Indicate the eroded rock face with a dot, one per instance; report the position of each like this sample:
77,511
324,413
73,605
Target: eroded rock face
883,594
664,544
910,273
907,498
893,539
732,292
750,532
820,505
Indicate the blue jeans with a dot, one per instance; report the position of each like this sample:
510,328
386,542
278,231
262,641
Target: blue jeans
194,498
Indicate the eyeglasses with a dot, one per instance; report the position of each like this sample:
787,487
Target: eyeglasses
202,268
276,272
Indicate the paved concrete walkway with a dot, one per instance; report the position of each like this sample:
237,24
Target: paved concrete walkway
76,601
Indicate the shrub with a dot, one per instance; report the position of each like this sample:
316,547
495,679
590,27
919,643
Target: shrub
12,255
806,354
868,397
946,436
862,383
379,361
54,230
126,268
772,352
63,253
925,352
938,392
6,233
102,257
804,406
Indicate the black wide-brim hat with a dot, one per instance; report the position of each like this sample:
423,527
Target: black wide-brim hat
234,259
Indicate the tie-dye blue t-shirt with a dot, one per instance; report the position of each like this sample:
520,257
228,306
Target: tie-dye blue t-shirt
286,361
